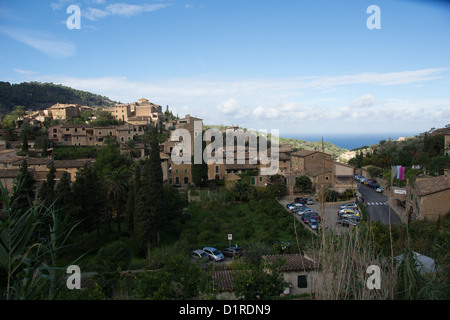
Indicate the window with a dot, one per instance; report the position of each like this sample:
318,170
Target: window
302,282
185,170
253,181
217,169
260,179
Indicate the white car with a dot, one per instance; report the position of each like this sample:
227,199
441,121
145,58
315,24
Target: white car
380,189
350,205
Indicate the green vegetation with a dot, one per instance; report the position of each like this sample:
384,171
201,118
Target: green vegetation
426,151
38,96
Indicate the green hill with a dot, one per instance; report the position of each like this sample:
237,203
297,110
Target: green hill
37,96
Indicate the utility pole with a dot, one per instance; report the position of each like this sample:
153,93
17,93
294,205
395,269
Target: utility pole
322,198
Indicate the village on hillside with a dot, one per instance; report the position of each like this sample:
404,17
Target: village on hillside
134,119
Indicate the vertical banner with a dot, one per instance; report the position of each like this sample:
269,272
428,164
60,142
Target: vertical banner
401,173
394,172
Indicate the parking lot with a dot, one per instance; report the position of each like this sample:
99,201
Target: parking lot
330,213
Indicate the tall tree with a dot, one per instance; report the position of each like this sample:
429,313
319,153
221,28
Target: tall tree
115,187
151,217
24,187
199,171
133,196
63,192
89,197
47,190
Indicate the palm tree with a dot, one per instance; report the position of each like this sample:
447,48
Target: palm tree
242,191
131,149
115,186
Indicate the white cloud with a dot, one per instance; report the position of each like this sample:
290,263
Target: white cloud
289,104
121,9
366,100
41,42
24,72
60,4
229,106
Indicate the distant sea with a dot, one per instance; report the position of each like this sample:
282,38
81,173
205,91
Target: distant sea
348,141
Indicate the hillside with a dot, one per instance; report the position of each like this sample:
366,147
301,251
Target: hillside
328,147
425,152
37,96
298,144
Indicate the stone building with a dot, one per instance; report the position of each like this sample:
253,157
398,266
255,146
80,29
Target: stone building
428,198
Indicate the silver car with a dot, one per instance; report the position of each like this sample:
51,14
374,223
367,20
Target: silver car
214,254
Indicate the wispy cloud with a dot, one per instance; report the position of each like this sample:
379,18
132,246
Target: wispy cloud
41,41
95,9
24,72
121,9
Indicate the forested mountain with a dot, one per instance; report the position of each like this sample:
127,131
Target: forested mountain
37,96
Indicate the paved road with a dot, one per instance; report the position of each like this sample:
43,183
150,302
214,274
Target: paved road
377,207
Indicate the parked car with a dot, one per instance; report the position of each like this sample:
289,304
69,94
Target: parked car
350,205
346,222
309,214
380,189
314,224
310,218
214,254
300,200
309,201
232,252
303,211
350,216
349,211
290,206
199,254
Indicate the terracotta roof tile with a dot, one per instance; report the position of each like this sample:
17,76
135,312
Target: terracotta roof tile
294,262
432,185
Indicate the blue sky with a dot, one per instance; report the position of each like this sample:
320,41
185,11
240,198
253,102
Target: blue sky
303,67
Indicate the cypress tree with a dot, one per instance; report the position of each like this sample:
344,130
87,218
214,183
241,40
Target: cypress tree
24,187
63,192
151,216
47,190
199,171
